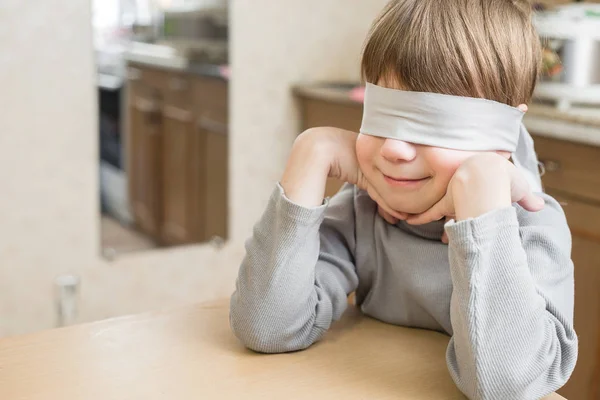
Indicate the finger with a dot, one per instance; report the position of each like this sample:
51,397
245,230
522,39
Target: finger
522,194
445,238
386,216
531,202
445,234
435,213
361,181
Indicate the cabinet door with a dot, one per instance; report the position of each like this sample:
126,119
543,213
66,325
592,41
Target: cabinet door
210,103
178,176
582,217
596,375
144,130
216,182
586,257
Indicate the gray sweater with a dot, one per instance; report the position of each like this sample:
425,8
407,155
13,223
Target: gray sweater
502,289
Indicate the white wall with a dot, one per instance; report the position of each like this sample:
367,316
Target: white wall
48,151
278,44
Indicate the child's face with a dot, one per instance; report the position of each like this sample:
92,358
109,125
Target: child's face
409,177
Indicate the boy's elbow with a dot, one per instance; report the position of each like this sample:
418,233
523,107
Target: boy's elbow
258,338
263,334
528,376
532,382
510,385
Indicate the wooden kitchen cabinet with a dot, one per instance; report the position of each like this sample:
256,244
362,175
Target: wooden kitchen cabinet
180,166
177,155
572,177
177,170
216,184
583,220
211,102
144,127
586,258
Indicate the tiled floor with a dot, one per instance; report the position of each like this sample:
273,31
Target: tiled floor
119,239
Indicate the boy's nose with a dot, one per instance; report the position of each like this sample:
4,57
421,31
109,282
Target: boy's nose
395,150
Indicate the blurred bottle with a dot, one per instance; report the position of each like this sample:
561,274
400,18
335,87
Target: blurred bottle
67,287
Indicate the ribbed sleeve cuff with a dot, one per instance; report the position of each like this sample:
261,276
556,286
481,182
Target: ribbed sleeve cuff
481,228
301,215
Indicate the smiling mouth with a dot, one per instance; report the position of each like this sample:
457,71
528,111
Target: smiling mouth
406,182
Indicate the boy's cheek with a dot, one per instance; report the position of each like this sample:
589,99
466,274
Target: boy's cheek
445,162
365,150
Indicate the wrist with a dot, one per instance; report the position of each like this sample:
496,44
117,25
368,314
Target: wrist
306,172
480,188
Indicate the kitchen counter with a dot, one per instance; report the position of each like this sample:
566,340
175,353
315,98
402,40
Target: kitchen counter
205,70
166,58
580,125
209,70
190,353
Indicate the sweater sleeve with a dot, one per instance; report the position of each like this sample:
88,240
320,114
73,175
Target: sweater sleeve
512,303
296,275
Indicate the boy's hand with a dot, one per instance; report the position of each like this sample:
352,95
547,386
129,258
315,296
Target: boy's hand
319,153
482,183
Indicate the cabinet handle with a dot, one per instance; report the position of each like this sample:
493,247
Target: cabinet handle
177,114
134,74
550,165
211,125
178,84
150,110
145,105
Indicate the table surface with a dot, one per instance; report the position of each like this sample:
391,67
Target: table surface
190,353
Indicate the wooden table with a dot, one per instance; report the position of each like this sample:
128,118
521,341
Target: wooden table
190,353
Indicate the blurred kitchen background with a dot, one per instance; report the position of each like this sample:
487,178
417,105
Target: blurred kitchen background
163,82
141,140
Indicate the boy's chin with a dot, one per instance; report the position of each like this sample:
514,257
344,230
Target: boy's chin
418,207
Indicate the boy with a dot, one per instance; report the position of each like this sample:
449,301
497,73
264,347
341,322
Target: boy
436,228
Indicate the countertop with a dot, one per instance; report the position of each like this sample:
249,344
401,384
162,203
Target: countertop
165,57
581,125
190,353
207,70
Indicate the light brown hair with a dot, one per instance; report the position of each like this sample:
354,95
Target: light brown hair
476,48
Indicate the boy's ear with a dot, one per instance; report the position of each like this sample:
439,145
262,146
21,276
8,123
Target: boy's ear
523,107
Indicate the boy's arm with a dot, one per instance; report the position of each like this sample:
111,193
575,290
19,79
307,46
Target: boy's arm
299,263
513,294
512,304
